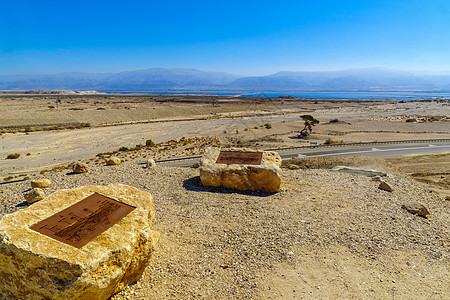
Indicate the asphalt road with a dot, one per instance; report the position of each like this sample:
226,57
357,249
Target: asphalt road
374,150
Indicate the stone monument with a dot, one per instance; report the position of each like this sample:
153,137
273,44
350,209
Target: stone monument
85,243
241,169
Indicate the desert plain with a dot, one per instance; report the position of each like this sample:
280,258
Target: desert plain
325,235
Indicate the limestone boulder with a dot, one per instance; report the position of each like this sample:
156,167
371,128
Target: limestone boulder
35,266
150,163
40,183
34,195
80,168
113,161
358,171
416,208
384,186
265,176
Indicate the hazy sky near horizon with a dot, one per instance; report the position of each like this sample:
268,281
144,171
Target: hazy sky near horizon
241,37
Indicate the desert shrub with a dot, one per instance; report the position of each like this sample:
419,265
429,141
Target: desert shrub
101,108
149,143
268,126
334,121
329,141
123,149
410,120
13,156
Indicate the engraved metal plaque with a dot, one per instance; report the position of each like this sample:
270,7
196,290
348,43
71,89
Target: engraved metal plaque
241,158
80,223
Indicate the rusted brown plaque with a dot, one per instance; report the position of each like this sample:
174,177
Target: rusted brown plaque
80,223
241,158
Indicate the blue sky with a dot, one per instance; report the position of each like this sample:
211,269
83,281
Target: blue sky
242,37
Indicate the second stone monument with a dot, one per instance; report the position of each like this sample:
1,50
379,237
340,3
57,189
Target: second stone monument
241,169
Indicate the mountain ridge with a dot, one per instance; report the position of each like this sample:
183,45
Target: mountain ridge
159,79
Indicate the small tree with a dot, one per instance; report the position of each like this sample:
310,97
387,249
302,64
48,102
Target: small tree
310,121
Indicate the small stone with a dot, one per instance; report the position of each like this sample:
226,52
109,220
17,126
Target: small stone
384,186
376,179
416,208
34,195
113,161
293,167
150,163
40,183
196,165
80,168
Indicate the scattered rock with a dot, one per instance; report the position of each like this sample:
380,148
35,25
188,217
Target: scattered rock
293,167
196,165
40,183
416,208
357,171
35,266
113,161
263,177
80,168
150,163
376,179
34,195
384,186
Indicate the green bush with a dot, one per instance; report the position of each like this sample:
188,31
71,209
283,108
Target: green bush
123,149
13,156
267,125
410,120
149,143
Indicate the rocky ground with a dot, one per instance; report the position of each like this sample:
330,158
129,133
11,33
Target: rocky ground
325,235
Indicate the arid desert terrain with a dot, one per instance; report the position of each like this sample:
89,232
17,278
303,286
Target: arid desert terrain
326,235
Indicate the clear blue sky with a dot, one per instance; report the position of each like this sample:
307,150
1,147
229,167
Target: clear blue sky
242,37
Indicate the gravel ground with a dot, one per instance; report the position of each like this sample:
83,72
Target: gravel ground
325,235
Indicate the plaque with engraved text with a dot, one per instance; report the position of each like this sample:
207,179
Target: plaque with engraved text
241,158
85,220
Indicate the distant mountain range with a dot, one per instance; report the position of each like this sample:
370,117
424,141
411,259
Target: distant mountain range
159,79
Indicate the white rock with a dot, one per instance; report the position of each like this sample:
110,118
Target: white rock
40,183
113,161
150,163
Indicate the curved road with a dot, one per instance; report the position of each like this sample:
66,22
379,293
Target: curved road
375,150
